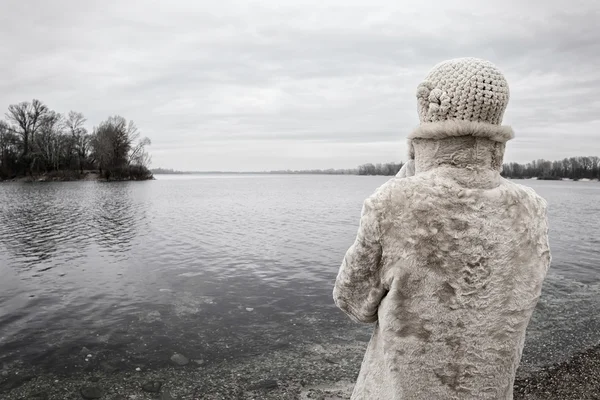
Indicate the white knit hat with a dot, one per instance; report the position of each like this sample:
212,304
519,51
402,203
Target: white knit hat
461,97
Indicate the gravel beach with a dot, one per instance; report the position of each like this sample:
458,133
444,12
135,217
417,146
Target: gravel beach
578,378
324,372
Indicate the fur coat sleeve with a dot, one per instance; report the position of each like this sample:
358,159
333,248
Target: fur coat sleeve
358,289
407,170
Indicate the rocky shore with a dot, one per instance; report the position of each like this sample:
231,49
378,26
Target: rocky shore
577,378
323,372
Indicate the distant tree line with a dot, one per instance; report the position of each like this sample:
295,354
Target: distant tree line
329,171
569,168
36,140
167,171
572,168
379,169
367,169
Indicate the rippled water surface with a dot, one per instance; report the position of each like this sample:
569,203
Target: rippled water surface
228,266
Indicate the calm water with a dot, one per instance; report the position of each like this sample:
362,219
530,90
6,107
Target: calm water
228,266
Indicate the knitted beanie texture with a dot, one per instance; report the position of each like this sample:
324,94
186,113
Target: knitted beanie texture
466,89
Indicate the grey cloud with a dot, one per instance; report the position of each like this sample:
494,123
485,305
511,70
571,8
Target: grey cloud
306,75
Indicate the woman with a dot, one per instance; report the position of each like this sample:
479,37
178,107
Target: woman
449,262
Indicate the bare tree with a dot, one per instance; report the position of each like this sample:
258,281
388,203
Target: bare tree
50,143
9,150
101,147
595,160
28,117
138,154
79,138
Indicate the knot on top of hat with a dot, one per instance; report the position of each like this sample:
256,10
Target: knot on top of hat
439,102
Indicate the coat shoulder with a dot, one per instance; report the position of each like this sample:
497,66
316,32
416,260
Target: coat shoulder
527,194
396,188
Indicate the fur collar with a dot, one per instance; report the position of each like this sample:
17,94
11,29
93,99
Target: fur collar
455,128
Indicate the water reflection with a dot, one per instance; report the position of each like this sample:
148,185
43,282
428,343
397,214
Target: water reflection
42,225
115,216
35,221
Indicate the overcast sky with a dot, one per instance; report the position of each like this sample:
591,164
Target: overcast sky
274,84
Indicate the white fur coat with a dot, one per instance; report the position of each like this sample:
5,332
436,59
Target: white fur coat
449,265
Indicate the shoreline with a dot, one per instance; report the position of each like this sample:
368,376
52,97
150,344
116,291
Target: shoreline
320,371
90,176
208,173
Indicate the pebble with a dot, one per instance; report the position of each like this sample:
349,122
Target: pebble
265,384
166,395
138,369
249,309
91,392
152,386
107,367
179,359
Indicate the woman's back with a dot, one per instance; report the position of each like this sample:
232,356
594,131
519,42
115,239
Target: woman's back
463,270
450,261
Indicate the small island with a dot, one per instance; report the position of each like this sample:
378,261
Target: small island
40,144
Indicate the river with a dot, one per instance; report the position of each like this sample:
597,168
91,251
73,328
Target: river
228,267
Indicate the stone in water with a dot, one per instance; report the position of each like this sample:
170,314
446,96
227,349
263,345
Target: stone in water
91,392
179,359
267,384
166,395
152,386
